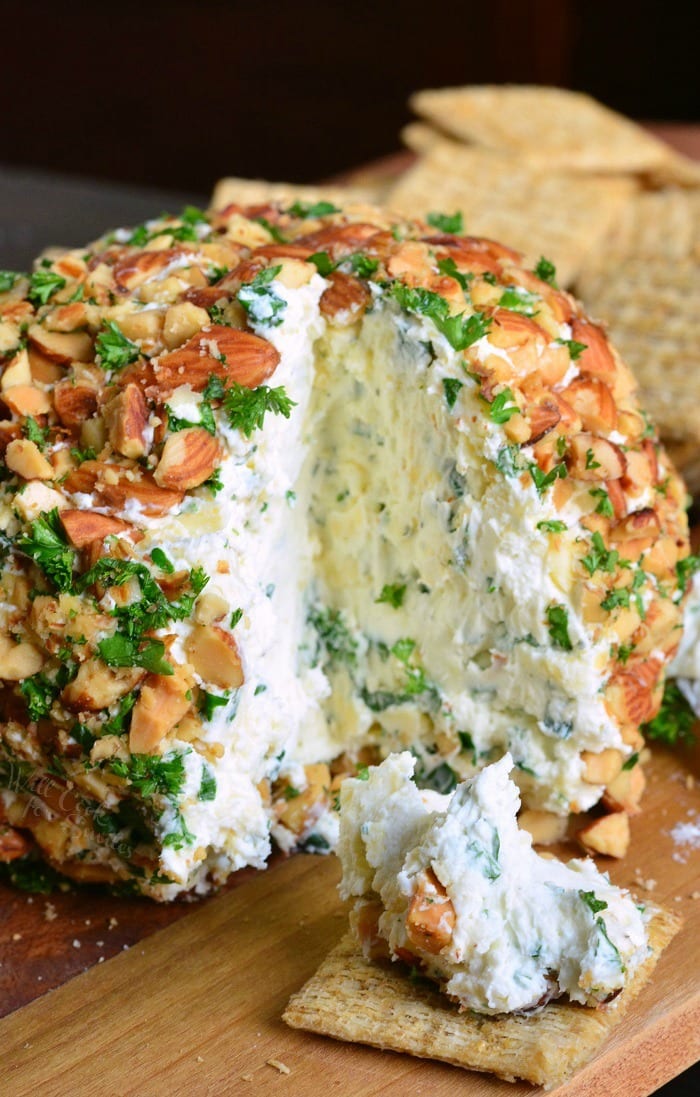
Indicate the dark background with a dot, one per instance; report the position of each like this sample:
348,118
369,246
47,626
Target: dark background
175,94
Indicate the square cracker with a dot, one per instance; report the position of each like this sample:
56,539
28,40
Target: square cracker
646,287
540,212
250,192
548,125
354,999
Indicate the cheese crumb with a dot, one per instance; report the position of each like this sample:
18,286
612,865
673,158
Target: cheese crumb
50,914
279,1065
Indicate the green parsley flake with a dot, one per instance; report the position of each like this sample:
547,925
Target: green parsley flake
558,625
42,286
393,594
208,703
519,300
546,271
263,306
460,331
246,408
7,280
207,787
120,650
312,209
552,526
47,545
575,349
600,558
113,350
449,267
685,569
34,433
445,222
501,409
451,386
604,506
675,719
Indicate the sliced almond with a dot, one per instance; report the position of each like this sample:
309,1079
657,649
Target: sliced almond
75,346
594,403
345,300
214,655
597,359
543,417
116,486
67,318
189,458
26,459
17,371
27,400
84,526
609,835
135,269
126,419
636,533
224,352
631,694
431,916
592,458
74,403
162,703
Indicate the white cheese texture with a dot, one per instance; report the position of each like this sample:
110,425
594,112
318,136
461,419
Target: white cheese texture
393,587
525,929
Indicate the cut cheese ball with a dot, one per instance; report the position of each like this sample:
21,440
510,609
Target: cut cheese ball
451,885
302,487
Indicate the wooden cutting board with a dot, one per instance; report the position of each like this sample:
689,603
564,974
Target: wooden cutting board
195,1008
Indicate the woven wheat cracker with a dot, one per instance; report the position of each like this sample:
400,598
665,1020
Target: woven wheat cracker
354,999
555,214
547,125
249,192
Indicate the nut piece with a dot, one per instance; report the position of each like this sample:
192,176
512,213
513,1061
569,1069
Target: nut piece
609,835
544,827
603,767
345,300
593,401
189,458
97,686
162,703
26,459
18,661
431,917
126,418
12,844
299,813
182,322
214,655
75,346
112,484
74,403
593,458
27,400
84,526
625,792
228,353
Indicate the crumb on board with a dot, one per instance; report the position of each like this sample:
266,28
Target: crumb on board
76,943
246,1077
112,923
648,884
50,914
689,782
16,936
278,1065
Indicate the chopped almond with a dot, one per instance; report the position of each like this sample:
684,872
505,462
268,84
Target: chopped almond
189,458
609,835
625,792
62,347
544,827
97,686
18,660
84,526
162,703
126,419
431,917
74,403
27,400
214,655
592,458
26,459
602,767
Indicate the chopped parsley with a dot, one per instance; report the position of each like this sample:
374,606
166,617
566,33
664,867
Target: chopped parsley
39,692
591,462
449,267
442,779
446,222
334,634
685,569
312,209
624,596
604,505
451,386
7,280
246,408
181,835
631,762
235,617
209,702
543,480
80,455
575,349
364,266
274,232
42,286
47,546
519,300
323,263
600,558
546,271
34,433
113,350
552,526
214,483
460,331
509,460
161,561
261,303
121,650
207,787
501,409
151,775
206,419
593,904
675,719
393,594
558,625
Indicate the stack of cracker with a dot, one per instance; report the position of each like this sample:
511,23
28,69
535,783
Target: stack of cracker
555,173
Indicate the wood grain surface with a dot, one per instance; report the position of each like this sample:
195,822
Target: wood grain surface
195,1008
